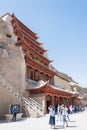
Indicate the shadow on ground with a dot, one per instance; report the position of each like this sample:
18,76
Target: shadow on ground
18,120
62,127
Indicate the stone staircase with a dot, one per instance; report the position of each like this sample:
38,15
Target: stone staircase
30,106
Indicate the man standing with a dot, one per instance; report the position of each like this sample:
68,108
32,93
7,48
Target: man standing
64,115
14,112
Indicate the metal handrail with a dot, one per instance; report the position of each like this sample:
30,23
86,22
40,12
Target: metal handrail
31,103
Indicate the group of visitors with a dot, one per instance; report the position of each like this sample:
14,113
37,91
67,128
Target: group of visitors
62,115
62,112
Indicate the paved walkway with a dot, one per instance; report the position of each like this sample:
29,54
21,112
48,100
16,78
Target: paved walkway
78,121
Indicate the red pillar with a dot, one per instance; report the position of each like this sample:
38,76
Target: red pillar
52,99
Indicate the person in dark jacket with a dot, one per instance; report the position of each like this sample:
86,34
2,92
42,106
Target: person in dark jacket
14,112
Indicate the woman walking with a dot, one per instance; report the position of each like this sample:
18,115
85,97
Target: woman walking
52,116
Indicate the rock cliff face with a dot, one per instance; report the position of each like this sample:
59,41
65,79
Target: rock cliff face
12,64
82,91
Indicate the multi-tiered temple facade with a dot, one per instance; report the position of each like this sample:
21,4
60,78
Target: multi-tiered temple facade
42,83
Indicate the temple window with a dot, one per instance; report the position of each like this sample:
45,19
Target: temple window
36,75
24,51
41,53
42,76
29,72
30,75
32,56
31,46
18,39
47,77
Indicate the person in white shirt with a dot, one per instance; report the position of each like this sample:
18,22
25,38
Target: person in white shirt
52,116
64,115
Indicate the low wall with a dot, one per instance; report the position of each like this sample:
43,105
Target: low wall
9,116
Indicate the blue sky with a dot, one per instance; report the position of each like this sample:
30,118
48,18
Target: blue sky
61,26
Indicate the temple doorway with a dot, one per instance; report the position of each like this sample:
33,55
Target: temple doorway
48,102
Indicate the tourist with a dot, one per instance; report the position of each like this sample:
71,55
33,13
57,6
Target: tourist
52,116
64,115
14,112
58,112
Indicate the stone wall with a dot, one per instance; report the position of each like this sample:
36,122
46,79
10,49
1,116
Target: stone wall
5,100
38,98
62,83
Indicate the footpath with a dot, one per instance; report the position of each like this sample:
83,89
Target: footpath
77,121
